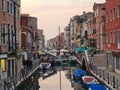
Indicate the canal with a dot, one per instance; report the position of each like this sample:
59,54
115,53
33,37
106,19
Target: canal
58,80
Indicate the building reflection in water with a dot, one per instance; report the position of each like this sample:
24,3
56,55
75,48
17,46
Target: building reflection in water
76,86
52,81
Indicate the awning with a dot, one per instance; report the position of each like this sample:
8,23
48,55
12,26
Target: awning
64,50
40,52
81,49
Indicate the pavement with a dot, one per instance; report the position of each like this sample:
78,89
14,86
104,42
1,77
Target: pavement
99,59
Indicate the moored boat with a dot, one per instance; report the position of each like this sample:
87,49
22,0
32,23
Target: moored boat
45,65
97,87
72,60
87,80
78,74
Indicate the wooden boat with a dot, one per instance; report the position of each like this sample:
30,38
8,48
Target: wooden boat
78,74
97,87
72,61
87,80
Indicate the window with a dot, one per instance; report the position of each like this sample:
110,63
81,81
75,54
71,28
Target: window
9,43
3,33
13,67
8,7
96,13
11,36
107,17
118,39
103,8
106,37
111,37
11,8
119,10
3,65
9,66
110,58
111,14
118,63
3,5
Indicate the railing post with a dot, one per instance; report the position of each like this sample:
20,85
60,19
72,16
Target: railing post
114,82
117,83
100,73
103,74
108,77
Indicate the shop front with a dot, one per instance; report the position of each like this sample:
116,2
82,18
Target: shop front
113,61
3,69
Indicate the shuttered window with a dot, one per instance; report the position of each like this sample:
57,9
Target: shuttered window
118,10
3,33
118,39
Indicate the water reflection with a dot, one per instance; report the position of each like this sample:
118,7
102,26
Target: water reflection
53,81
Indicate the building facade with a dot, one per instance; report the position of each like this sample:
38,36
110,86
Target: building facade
113,34
57,42
99,11
73,27
10,46
67,37
41,39
27,35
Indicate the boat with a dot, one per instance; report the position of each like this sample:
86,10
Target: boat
72,60
97,87
45,66
78,74
87,80
58,61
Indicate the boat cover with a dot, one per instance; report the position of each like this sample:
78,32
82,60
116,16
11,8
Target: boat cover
79,72
97,87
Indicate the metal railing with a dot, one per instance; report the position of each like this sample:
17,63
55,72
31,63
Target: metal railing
11,82
105,76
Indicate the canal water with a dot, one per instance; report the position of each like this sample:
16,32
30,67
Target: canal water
59,80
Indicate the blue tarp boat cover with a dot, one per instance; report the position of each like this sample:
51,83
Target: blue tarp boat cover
97,87
78,72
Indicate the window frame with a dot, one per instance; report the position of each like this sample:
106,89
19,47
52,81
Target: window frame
118,7
3,5
3,34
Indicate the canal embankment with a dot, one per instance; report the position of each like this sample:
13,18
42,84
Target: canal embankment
98,68
24,83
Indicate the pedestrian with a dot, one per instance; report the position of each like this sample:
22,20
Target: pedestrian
23,72
30,62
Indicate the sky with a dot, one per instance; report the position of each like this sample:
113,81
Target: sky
54,13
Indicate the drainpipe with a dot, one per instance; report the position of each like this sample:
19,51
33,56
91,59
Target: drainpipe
16,61
15,23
